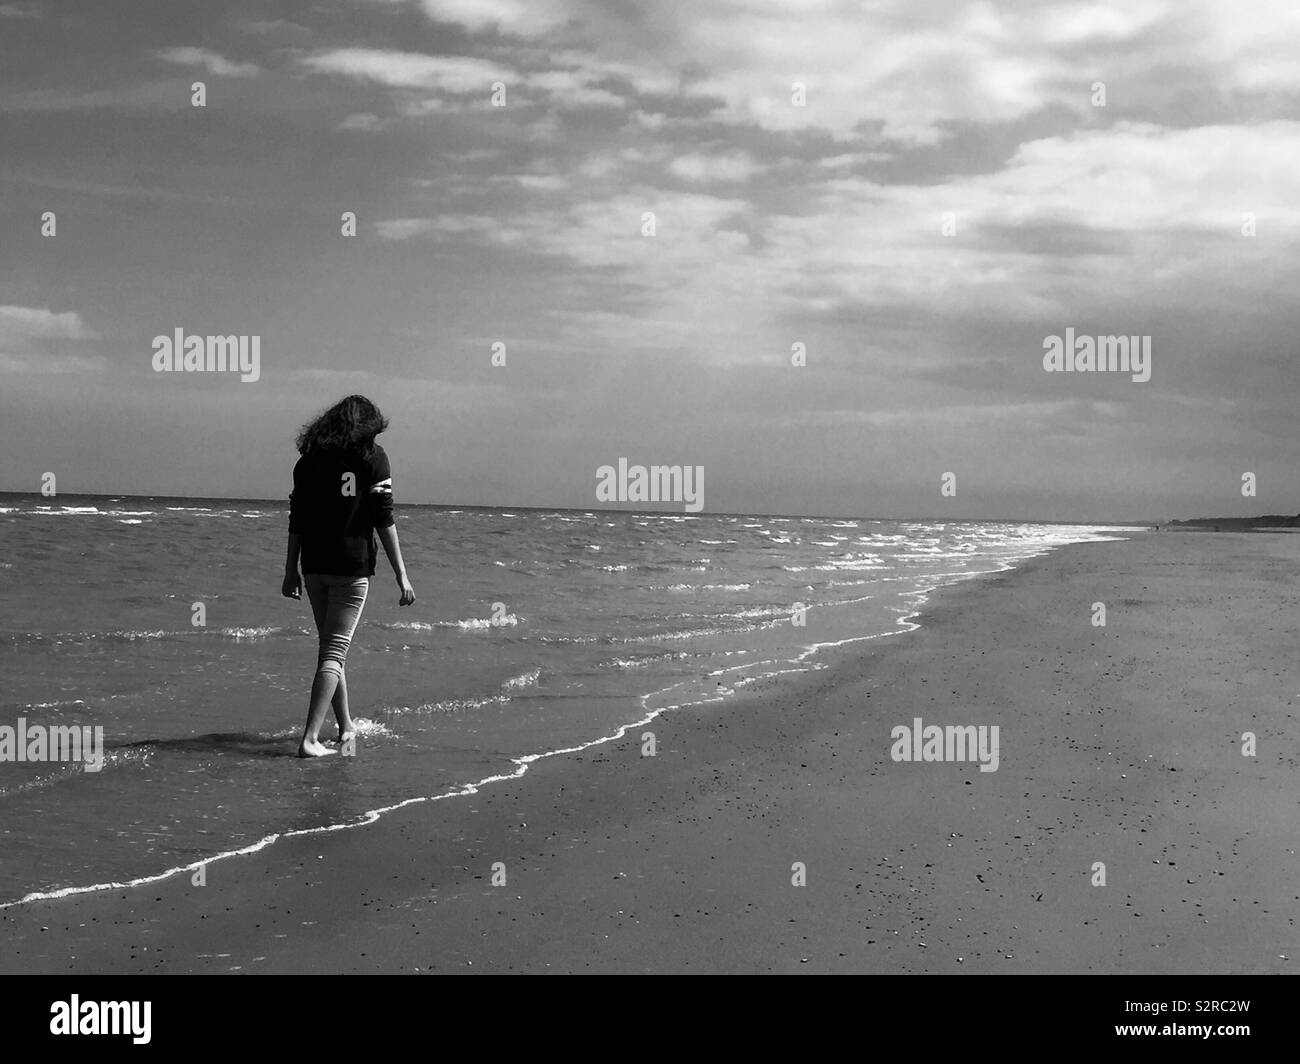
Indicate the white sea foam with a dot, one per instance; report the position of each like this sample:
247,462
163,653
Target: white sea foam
469,624
524,679
447,705
240,634
64,511
643,661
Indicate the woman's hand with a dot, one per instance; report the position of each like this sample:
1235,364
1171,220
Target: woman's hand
408,592
292,586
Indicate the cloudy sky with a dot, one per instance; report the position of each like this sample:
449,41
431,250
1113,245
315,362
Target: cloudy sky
947,193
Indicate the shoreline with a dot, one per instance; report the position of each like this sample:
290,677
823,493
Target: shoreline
682,861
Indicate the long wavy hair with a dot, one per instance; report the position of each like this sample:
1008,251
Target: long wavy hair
351,424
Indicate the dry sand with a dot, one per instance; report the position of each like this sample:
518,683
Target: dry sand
1119,745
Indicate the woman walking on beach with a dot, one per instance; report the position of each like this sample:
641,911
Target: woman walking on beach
342,495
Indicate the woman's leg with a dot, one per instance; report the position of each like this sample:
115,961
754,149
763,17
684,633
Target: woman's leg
323,685
336,603
351,596
340,707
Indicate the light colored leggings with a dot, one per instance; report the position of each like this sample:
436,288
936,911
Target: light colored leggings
336,602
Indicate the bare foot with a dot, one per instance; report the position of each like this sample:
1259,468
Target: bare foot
313,749
345,734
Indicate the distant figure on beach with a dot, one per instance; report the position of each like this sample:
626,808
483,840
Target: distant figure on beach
342,495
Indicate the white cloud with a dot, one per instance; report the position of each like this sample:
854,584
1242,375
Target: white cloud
1066,222
403,228
214,63
909,70
34,340
363,123
732,166
520,17
541,182
41,323
411,70
573,86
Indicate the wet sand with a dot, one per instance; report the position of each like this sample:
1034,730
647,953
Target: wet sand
1120,745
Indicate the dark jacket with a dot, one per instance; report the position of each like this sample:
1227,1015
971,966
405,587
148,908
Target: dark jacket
335,514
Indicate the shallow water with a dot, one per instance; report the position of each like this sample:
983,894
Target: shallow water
534,630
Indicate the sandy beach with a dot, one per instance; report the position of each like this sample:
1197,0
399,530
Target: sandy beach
1119,744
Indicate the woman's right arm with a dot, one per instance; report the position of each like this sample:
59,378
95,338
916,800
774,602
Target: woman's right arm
291,587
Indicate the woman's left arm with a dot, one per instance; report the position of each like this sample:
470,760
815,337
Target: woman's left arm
292,586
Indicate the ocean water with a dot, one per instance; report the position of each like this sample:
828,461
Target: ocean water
535,631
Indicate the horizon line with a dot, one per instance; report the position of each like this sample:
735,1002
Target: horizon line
606,510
